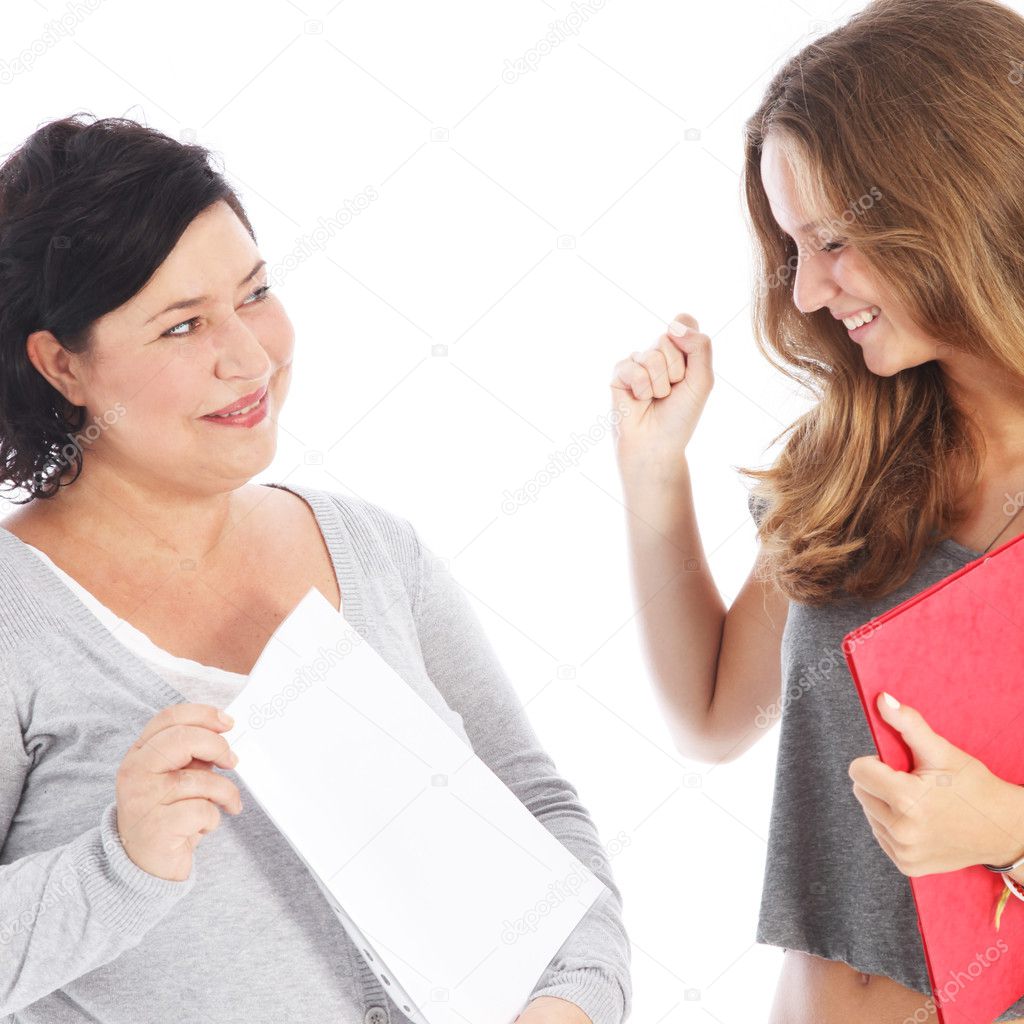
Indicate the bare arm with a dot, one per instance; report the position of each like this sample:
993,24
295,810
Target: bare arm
748,687
716,671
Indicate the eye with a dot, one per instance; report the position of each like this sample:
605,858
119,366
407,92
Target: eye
831,247
257,296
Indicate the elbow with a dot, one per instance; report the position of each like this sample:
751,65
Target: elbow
705,747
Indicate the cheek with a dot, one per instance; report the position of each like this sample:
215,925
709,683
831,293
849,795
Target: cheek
851,273
280,338
857,278
175,383
276,334
150,380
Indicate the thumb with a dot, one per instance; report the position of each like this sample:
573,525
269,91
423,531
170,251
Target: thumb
930,750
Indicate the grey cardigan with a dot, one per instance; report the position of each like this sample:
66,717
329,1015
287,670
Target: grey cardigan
86,935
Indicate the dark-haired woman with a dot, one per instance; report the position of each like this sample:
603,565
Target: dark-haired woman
143,365
883,174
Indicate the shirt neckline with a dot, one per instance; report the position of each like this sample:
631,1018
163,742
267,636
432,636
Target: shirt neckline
953,545
42,580
138,641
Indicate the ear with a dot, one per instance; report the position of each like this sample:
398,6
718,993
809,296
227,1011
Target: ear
56,364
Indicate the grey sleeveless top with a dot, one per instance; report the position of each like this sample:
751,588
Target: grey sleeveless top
829,888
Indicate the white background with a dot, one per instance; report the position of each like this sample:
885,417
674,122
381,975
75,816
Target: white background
456,337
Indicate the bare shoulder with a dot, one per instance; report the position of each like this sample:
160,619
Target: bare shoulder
281,530
272,508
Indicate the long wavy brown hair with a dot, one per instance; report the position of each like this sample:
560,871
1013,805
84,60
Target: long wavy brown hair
905,130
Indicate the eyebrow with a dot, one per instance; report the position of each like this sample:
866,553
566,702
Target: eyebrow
190,303
803,229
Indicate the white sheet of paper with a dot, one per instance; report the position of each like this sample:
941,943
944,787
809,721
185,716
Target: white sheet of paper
458,896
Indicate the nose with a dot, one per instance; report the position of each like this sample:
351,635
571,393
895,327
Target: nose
813,286
240,353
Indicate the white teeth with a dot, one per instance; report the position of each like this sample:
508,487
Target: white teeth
858,319
240,412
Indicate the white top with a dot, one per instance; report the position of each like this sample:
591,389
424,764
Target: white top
204,684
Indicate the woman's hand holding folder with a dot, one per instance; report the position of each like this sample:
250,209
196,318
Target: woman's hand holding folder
950,812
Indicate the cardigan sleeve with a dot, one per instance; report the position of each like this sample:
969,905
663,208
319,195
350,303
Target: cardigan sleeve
592,967
71,909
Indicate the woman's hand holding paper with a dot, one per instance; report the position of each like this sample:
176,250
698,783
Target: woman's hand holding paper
552,1010
948,813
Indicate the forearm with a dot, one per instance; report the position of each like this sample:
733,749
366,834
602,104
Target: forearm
680,613
590,970
73,909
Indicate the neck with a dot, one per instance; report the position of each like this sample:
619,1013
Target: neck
145,517
995,403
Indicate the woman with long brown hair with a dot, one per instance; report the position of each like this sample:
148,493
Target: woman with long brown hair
882,179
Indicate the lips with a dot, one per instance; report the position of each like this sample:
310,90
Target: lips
241,403
854,312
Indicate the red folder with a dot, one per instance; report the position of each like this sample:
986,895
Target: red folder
955,652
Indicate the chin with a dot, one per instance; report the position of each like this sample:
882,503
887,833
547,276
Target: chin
886,372
883,366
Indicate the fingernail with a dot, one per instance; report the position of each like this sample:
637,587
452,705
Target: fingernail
226,719
890,700
676,329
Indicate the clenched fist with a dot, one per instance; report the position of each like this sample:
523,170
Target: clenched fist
660,394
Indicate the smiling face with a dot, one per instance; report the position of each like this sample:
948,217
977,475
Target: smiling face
166,373
834,275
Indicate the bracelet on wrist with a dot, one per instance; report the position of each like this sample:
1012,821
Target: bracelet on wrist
1006,867
1017,888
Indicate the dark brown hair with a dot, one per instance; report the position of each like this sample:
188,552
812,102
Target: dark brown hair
88,212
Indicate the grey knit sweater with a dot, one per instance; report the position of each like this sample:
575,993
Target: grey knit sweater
86,935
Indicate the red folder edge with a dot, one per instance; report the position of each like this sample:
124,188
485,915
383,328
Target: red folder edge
877,723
